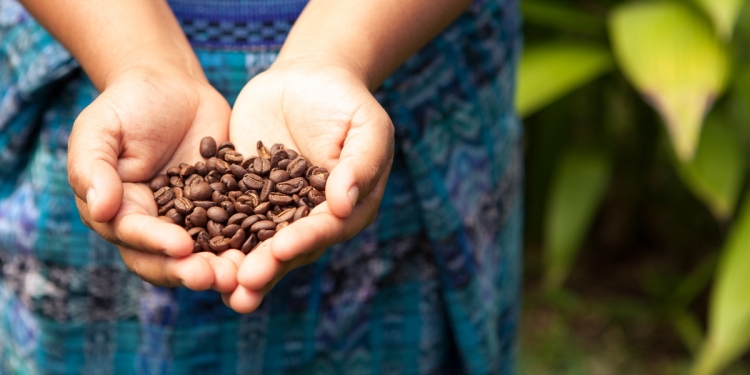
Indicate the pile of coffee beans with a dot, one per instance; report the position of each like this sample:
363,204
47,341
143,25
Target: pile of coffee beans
229,202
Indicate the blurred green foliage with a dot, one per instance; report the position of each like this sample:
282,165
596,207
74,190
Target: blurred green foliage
638,123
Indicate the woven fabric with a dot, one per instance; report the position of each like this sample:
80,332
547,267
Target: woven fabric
432,287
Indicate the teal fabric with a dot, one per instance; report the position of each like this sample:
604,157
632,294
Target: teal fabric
432,287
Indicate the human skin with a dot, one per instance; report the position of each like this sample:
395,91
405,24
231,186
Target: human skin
156,105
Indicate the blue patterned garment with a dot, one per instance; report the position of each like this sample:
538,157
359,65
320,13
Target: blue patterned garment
432,287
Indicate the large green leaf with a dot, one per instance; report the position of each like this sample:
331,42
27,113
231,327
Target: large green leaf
729,310
575,195
716,173
670,53
549,71
723,13
551,14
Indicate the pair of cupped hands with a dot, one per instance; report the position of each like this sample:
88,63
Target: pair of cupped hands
147,120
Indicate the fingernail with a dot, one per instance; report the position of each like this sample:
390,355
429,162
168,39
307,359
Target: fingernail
353,195
90,197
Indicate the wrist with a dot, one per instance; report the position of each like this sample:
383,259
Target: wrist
319,62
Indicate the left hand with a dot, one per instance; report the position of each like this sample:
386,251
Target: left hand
327,114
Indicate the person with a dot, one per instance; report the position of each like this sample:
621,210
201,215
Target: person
409,104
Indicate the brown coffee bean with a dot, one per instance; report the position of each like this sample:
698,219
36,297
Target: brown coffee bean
234,195
204,239
249,244
292,186
279,199
219,186
318,181
193,232
200,169
226,145
211,164
217,197
263,224
316,197
261,166
247,223
233,157
222,166
219,244
248,163
229,180
292,154
284,164
176,181
237,171
204,204
268,186
230,230
238,239
178,193
201,191
214,229
305,190
285,215
297,167
186,171
163,195
278,156
253,181
173,171
159,182
163,209
176,217
262,208
213,176
265,234
276,147
228,207
217,214
208,147
193,179
243,208
199,217
279,175
262,150
183,206
301,212
237,218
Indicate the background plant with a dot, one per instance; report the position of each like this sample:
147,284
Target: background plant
638,117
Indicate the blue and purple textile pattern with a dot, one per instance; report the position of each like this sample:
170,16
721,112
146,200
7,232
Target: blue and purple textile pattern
432,287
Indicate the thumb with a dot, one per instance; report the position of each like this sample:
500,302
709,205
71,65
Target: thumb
366,155
93,150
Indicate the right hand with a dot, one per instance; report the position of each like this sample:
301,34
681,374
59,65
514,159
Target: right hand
145,121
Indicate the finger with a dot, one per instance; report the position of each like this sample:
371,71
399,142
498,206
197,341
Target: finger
366,156
322,229
93,149
259,267
224,270
244,300
193,272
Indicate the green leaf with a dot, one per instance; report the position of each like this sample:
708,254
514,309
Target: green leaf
670,53
575,195
729,309
548,72
716,173
562,17
723,13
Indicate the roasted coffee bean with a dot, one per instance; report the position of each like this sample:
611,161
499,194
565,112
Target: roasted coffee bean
238,239
219,244
265,234
159,182
233,157
261,166
200,191
279,199
217,214
276,147
305,190
213,176
176,216
249,244
316,197
228,207
229,180
178,192
199,217
211,164
226,145
204,204
253,181
204,239
250,221
248,163
214,229
301,212
279,175
278,156
268,186
234,195
283,164
193,232
292,154
284,215
297,167
193,179
219,186
237,171
237,218
183,206
222,166
263,224
262,150
262,208
292,186
163,195
208,147
176,181
200,169
318,181
186,171
230,230
163,209
217,197
173,171
241,185
243,208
